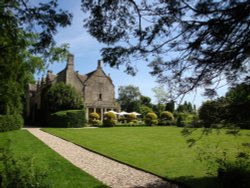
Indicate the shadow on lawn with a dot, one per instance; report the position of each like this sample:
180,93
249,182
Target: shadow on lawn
202,182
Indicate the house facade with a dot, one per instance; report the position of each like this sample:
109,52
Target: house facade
96,88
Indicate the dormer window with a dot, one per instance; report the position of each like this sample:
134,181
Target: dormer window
100,97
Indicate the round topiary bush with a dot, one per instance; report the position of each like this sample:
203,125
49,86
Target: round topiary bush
151,119
94,119
132,118
109,119
167,118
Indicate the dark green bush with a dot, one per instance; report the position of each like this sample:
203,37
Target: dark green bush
235,174
63,97
10,122
67,118
109,120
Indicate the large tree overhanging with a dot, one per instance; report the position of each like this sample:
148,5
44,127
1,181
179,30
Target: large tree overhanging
199,43
26,42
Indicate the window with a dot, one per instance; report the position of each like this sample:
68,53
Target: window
100,97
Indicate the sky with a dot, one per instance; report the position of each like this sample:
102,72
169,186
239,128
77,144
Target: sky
86,51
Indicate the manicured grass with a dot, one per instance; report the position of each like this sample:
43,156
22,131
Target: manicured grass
60,172
160,150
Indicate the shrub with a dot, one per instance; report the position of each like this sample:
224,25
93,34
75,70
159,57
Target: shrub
63,97
94,119
151,119
67,118
94,115
20,173
10,122
109,119
167,118
187,120
131,118
235,174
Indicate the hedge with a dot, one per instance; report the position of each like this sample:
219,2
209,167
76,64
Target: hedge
67,118
10,122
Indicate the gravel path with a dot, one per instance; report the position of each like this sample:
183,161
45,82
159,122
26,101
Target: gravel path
110,172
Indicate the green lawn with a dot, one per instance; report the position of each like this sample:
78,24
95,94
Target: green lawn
160,150
60,172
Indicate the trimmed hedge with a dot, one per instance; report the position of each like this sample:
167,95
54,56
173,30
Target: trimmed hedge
67,118
10,122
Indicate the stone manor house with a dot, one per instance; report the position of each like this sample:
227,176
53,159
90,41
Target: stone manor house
96,88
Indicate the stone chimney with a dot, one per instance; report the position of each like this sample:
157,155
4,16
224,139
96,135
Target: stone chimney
99,64
70,61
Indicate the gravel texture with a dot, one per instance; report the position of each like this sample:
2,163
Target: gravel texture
110,172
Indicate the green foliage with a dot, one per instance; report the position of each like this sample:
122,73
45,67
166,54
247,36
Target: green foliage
210,113
170,106
187,107
167,115
94,115
129,98
63,97
68,118
166,118
109,119
10,122
151,119
233,171
236,173
143,110
158,109
131,118
24,48
161,95
233,109
238,108
20,173
216,44
188,120
145,100
94,119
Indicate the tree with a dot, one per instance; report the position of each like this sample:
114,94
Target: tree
63,97
187,107
233,109
26,42
129,98
145,101
209,113
170,106
205,42
161,95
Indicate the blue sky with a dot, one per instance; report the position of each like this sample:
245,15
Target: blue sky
86,51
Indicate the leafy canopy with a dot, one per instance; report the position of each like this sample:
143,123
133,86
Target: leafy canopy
63,97
26,42
196,43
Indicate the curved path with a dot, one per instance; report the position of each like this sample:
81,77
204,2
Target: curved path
111,173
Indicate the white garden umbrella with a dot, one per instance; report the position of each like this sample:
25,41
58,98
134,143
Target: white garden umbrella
137,114
111,111
123,113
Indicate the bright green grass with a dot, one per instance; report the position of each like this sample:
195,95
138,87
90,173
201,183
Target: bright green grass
60,172
160,150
